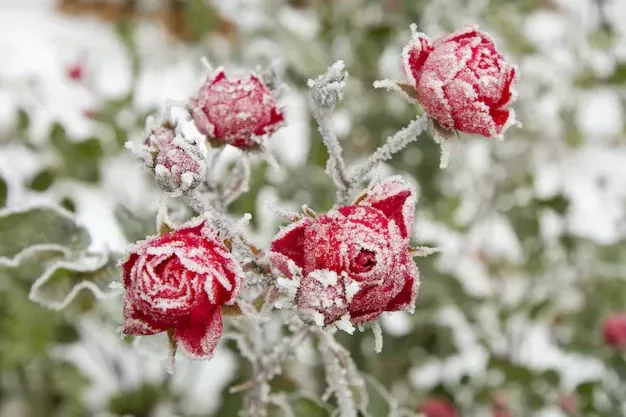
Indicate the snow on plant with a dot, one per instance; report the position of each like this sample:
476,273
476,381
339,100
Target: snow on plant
338,270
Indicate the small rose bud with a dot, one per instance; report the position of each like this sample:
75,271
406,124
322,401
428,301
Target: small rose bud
568,403
177,164
354,259
438,407
76,72
462,81
179,281
614,331
239,111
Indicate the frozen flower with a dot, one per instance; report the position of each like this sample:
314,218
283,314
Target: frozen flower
462,81
568,403
438,407
354,260
614,331
76,72
239,112
177,164
178,282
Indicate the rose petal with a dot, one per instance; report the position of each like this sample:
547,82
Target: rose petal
405,300
290,243
414,55
136,324
199,338
396,199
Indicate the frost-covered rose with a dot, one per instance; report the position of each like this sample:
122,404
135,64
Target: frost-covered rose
177,164
438,407
462,81
614,331
179,281
235,111
354,259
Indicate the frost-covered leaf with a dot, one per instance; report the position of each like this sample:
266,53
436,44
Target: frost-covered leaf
4,191
39,226
28,266
62,282
81,158
134,227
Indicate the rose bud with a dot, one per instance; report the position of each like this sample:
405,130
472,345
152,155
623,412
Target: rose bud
462,81
438,407
568,403
353,260
178,282
240,111
614,331
178,165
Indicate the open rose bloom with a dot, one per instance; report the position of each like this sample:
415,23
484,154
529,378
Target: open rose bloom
239,112
462,81
353,262
178,282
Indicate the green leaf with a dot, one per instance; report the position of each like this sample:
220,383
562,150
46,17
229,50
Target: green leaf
81,159
62,282
380,402
558,203
38,226
23,121
42,181
4,191
134,227
619,75
305,406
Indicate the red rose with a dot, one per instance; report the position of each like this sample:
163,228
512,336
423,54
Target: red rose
568,403
438,407
235,111
177,164
614,330
179,281
462,81
354,259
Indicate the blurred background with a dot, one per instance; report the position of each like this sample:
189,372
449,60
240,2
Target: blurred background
509,319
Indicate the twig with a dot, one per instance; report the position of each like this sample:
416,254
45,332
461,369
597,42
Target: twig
392,145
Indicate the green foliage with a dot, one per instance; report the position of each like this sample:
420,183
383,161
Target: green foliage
39,226
81,159
4,191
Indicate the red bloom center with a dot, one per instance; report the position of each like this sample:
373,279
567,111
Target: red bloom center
364,261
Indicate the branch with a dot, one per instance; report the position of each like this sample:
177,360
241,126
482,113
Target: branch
393,145
326,92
